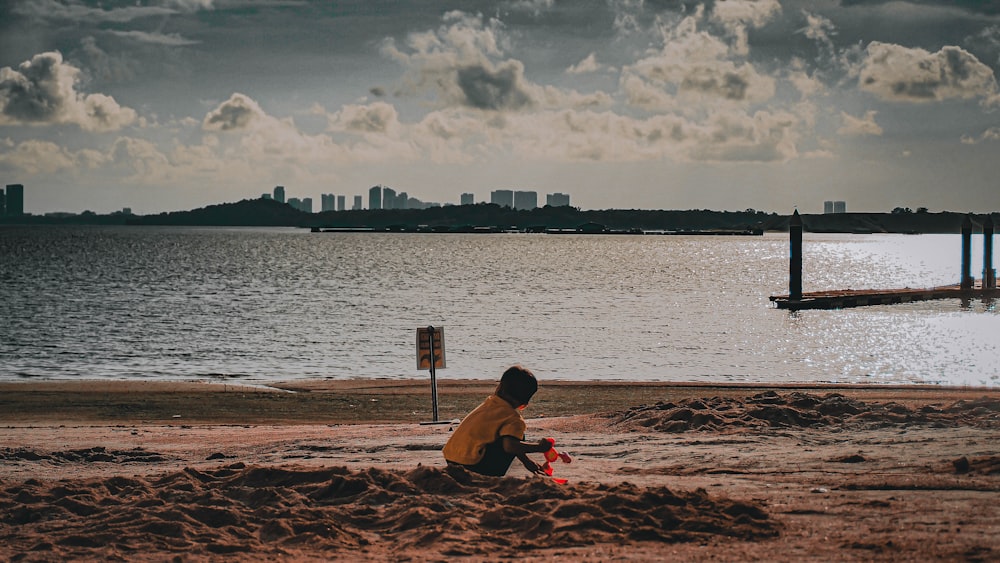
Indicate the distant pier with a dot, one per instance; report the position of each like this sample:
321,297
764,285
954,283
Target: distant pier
846,298
967,288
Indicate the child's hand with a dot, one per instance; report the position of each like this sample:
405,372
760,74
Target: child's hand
544,445
533,467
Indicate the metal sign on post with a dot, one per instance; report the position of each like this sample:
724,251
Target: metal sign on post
430,356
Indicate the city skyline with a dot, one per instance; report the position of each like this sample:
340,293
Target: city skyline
767,104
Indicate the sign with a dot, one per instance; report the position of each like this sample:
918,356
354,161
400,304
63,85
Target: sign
429,338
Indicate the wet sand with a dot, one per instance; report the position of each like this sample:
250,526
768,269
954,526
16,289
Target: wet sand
153,471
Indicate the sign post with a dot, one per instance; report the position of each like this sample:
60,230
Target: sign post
430,356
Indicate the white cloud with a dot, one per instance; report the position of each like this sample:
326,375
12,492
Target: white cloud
167,39
142,158
587,65
903,74
33,157
859,126
818,28
42,91
737,16
991,134
461,64
237,113
378,117
695,67
535,7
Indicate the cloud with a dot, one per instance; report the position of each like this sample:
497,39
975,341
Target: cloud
974,6
859,126
694,70
42,91
167,39
737,16
36,157
190,5
461,63
627,14
237,113
485,86
141,158
913,75
535,7
991,134
587,65
456,62
818,28
378,117
77,12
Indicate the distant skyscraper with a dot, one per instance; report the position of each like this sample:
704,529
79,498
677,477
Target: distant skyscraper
306,205
341,202
525,200
327,202
468,199
503,198
15,200
265,196
840,207
557,200
357,202
375,197
388,198
279,194
402,201
827,207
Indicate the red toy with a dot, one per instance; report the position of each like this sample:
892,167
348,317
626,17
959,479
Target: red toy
550,456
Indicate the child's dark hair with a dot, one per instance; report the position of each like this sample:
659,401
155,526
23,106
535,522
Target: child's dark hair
519,384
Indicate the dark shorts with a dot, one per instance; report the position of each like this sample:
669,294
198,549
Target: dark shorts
495,461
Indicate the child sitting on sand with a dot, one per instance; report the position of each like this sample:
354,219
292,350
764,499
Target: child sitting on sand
491,436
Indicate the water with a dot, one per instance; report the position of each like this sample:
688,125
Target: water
277,304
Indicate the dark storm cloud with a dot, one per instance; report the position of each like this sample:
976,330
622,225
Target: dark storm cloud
42,91
78,11
988,7
494,89
36,91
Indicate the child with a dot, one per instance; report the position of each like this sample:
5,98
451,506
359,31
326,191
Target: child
491,436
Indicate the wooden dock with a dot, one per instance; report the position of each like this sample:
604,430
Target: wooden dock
846,298
967,289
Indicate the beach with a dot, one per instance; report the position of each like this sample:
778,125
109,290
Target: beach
352,470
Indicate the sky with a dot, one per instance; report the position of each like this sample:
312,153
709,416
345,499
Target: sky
164,105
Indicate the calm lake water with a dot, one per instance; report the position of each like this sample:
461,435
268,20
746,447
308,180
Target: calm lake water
276,304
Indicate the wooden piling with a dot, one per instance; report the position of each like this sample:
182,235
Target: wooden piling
989,274
795,257
966,280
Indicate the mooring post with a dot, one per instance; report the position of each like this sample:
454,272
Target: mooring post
795,257
989,275
966,282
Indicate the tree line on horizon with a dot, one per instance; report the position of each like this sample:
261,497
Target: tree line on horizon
270,213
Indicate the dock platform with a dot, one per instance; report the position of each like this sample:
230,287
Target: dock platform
846,298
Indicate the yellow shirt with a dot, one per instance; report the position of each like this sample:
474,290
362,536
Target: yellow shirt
485,425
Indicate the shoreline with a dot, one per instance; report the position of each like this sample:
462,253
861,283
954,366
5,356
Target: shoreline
105,471
382,400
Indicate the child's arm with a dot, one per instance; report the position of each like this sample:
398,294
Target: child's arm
520,450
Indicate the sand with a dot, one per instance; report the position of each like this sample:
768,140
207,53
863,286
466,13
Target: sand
111,471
